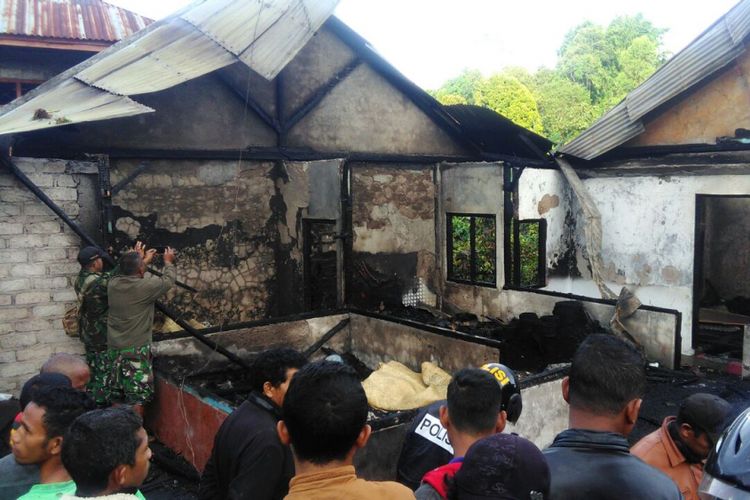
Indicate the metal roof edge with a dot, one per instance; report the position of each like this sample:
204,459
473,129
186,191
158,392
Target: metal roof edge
702,59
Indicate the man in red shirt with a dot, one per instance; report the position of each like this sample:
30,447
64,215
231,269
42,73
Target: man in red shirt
682,443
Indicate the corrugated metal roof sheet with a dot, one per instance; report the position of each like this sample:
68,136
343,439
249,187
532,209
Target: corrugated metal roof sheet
197,40
713,50
69,19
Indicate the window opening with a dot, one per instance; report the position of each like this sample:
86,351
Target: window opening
472,249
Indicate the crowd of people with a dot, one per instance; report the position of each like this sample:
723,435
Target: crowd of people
80,432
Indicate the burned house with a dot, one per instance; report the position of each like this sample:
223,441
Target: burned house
317,199
663,175
41,38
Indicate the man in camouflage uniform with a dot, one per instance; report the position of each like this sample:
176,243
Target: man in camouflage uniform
91,288
130,325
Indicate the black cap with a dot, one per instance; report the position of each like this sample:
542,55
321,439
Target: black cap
88,255
503,466
705,412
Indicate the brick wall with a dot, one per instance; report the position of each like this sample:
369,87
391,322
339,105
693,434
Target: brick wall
37,269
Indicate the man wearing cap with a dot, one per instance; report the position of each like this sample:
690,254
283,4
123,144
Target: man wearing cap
91,288
679,447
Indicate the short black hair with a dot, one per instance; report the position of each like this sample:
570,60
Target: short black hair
474,401
61,406
606,374
272,365
325,409
96,443
130,263
38,381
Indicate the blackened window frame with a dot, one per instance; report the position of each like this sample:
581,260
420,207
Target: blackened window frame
472,252
515,277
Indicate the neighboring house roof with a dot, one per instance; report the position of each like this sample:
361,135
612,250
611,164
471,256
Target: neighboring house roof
89,20
713,50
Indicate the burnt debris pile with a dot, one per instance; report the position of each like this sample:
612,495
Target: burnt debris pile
529,342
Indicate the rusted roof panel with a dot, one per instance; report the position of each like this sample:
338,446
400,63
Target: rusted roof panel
92,20
713,50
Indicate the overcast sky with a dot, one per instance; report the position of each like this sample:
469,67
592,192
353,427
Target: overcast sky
433,40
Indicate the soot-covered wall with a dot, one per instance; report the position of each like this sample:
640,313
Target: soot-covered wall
393,247
727,246
236,235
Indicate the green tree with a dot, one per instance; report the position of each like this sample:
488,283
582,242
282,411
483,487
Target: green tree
448,99
463,85
565,106
512,99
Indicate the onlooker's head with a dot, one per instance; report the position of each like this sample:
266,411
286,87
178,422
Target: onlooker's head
39,381
72,366
44,422
501,466
700,421
272,370
90,259
131,264
606,383
106,451
474,404
325,414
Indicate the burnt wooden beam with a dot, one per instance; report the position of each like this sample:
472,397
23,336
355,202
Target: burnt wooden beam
320,94
42,196
253,105
130,177
325,338
202,338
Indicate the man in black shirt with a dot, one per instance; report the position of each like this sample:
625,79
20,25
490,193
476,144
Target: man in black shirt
592,458
248,460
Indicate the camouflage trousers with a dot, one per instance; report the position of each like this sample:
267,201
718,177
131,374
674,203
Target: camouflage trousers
101,369
132,376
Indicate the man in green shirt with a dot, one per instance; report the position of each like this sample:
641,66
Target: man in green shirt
131,297
39,438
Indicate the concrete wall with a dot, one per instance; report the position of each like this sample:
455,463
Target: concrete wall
712,110
727,246
648,237
236,226
472,189
375,341
37,268
393,220
545,413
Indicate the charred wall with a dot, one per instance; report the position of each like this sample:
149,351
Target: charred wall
226,221
393,247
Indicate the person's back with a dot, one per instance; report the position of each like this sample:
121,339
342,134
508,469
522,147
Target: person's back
474,411
131,298
325,421
592,459
107,455
248,460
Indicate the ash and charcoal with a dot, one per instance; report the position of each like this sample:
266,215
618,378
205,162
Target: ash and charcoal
234,385
528,343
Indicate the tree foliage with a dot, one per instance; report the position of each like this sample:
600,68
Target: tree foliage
597,66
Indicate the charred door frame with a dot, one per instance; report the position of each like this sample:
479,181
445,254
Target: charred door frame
698,253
